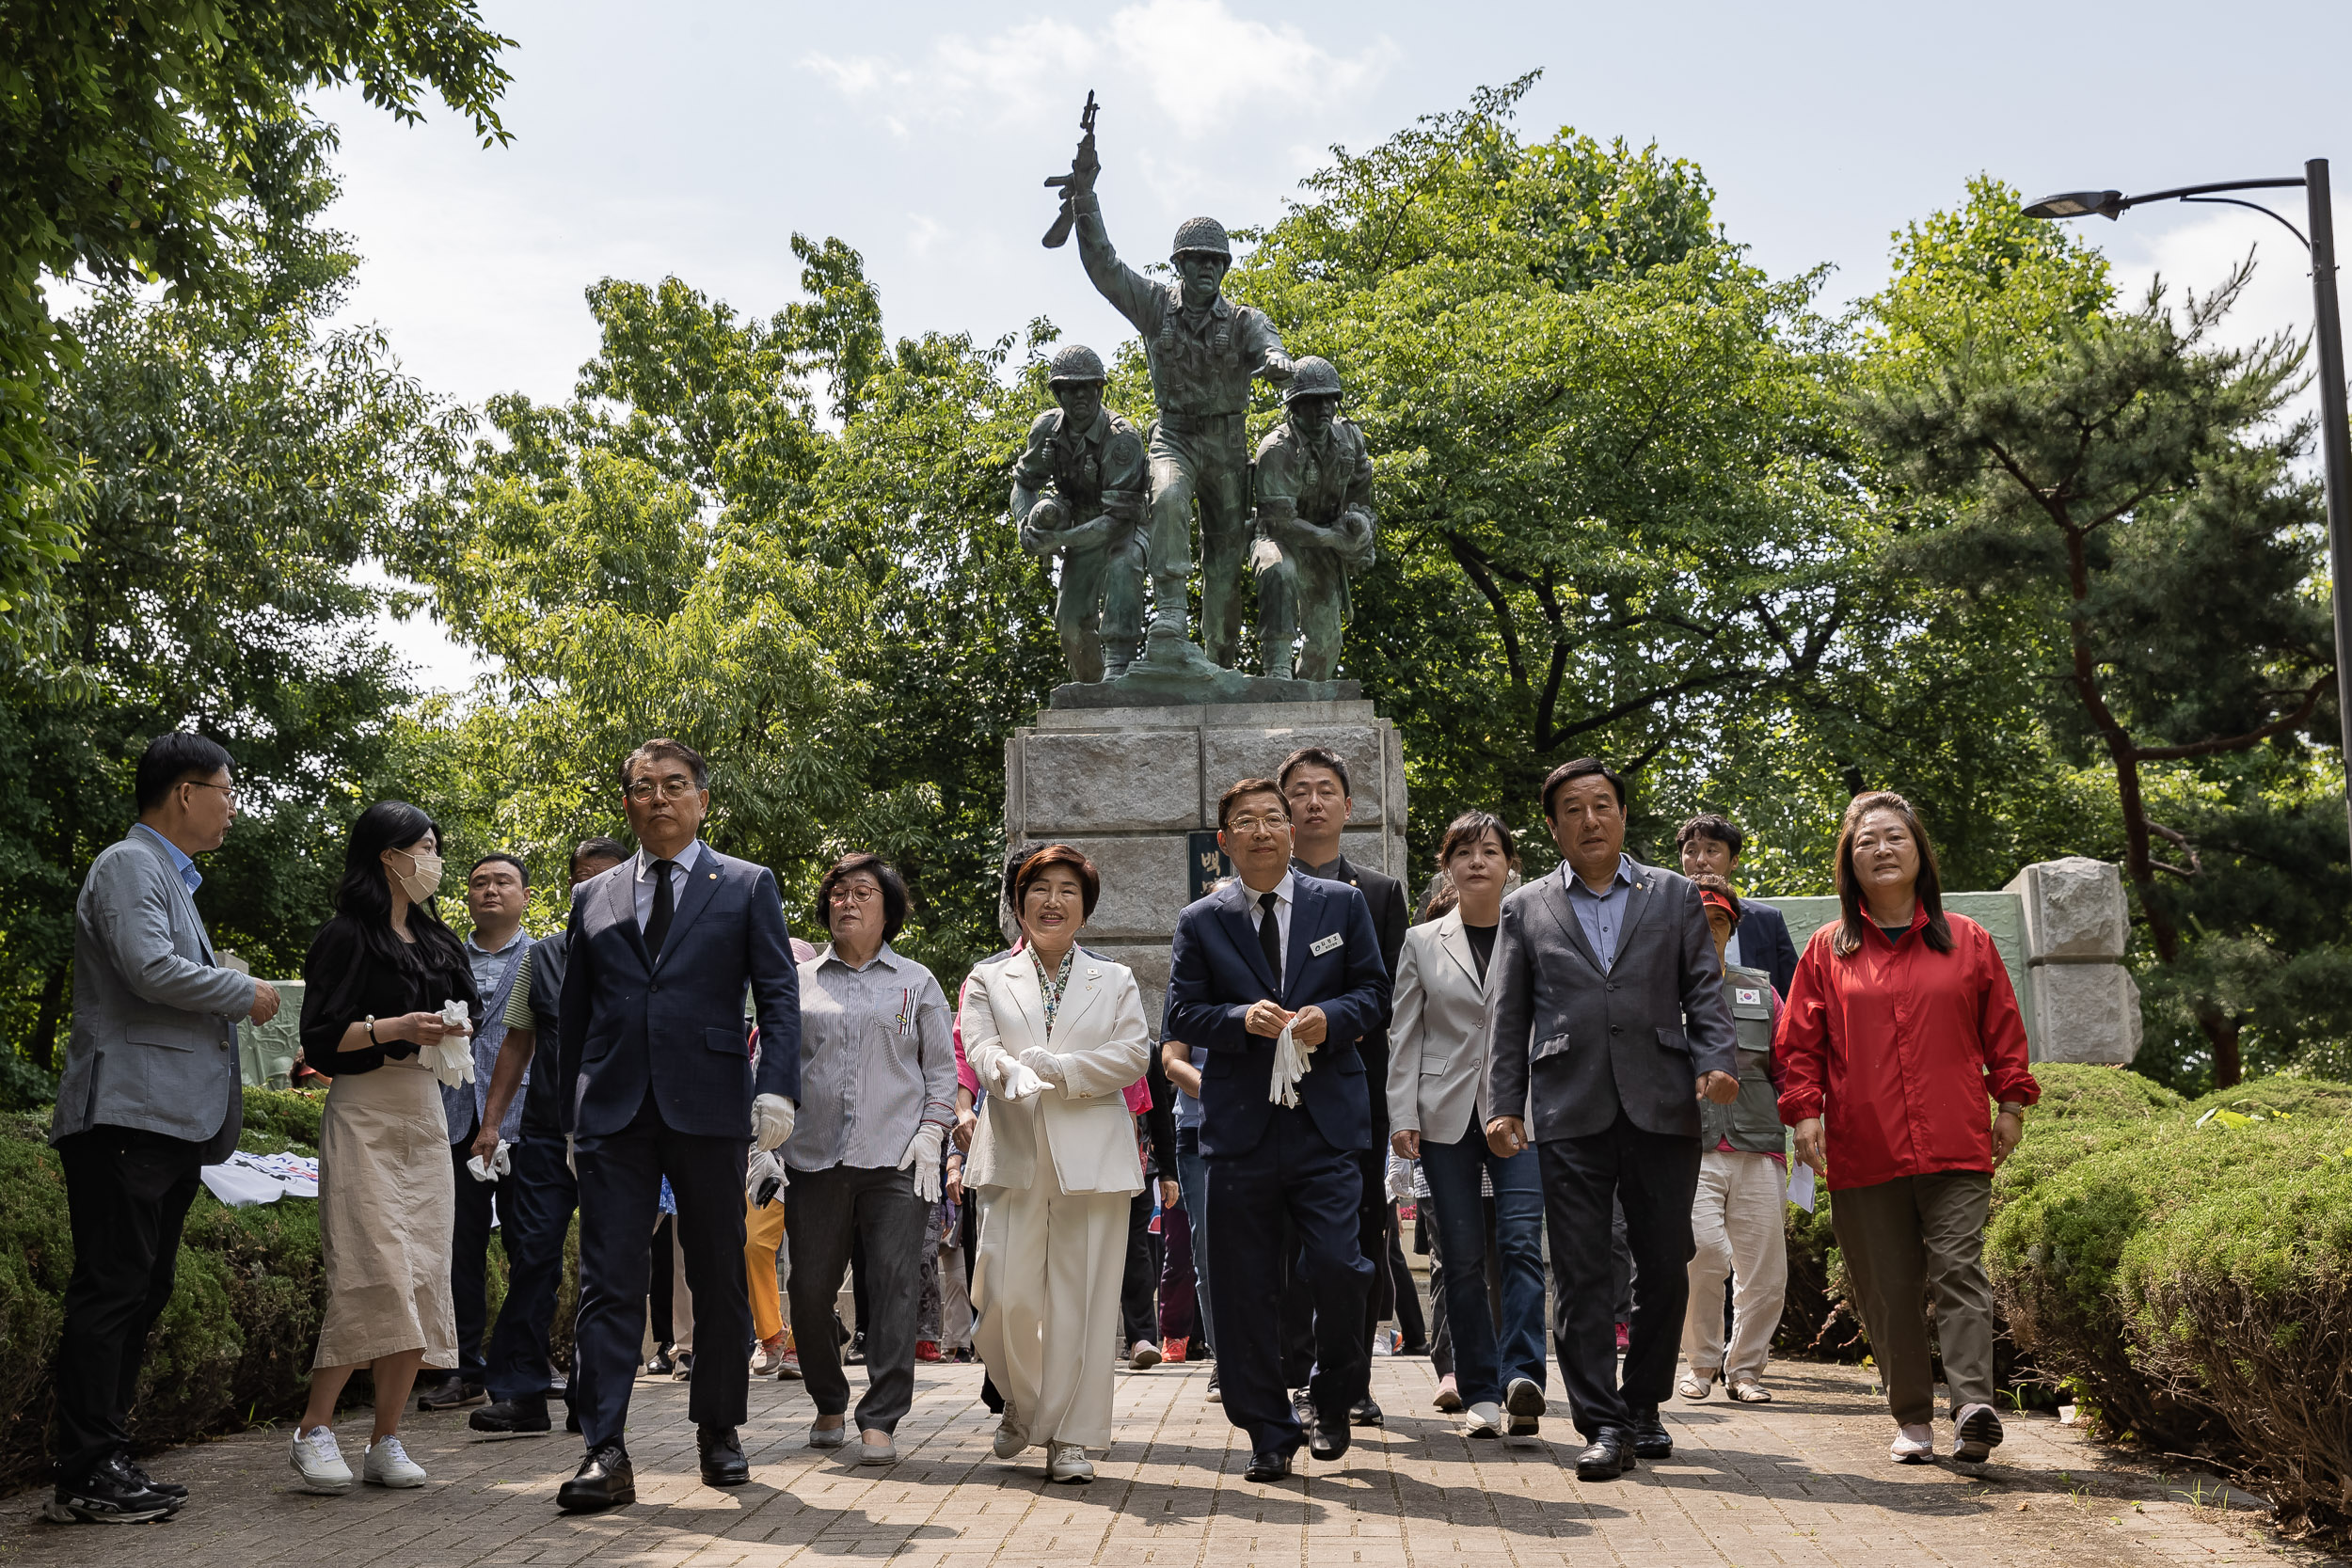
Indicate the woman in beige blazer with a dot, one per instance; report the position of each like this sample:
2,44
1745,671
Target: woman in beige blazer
1055,1033
1436,1064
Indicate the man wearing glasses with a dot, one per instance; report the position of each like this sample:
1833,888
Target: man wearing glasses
150,1095
658,1080
1279,976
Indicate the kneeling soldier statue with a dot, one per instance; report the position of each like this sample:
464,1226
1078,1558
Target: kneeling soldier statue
1078,492
1315,525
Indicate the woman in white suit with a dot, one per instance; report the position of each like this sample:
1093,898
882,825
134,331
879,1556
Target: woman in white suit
1437,1064
1056,1035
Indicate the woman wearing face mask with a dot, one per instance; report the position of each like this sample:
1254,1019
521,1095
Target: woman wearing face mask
376,980
1901,1026
1057,1033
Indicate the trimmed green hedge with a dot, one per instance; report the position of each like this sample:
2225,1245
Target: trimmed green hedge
233,1346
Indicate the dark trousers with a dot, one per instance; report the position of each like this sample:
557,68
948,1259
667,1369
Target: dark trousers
468,1261
1136,1315
1293,1184
1655,1176
825,1211
536,1203
127,1195
620,1191
1374,1224
1179,1300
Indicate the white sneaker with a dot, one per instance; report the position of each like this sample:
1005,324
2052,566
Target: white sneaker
1066,1461
388,1464
1485,1420
768,1358
1011,1439
1142,1353
1913,1444
320,1463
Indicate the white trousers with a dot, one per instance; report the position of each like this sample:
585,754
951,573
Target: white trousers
1736,1220
1046,1287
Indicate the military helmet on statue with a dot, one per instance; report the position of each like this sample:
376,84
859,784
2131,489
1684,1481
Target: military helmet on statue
1074,362
1311,377
1205,236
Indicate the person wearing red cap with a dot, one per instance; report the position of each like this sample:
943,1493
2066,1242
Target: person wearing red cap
1736,1217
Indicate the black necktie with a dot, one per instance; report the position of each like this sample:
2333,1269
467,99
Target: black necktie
1270,942
664,906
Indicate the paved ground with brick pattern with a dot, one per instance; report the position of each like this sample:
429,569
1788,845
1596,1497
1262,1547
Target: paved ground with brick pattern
1804,1481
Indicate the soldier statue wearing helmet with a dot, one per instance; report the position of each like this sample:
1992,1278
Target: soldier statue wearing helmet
1202,350
1315,525
1078,492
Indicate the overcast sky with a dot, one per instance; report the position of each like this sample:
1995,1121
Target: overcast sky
694,138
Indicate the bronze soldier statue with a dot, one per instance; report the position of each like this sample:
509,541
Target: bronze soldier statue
1202,350
1077,492
1315,525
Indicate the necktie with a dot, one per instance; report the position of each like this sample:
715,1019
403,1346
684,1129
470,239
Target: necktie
664,906
1270,942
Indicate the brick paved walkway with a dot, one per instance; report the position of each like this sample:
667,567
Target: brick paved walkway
1802,1481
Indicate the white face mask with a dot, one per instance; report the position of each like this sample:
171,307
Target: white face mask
424,881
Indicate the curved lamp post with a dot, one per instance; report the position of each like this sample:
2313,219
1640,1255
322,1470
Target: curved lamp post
2335,442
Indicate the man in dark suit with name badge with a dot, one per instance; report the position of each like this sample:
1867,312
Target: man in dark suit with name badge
1272,954
656,1056
1606,1021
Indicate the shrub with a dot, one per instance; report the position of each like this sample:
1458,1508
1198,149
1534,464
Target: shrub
2295,1096
2076,1091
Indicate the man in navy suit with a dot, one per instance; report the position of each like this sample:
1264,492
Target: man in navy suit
656,1060
1709,845
1272,950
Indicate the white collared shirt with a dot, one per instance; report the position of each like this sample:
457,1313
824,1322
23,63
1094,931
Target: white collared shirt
1282,892
679,868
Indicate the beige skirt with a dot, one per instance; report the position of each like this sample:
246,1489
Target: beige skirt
386,1209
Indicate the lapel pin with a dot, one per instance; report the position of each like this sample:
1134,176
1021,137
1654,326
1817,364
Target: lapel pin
714,876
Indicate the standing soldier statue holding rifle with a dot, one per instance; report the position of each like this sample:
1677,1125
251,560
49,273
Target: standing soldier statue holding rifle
1202,350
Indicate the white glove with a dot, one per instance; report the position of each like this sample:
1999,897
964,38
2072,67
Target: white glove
1015,1083
923,1154
771,1121
1290,1066
1400,1180
449,1058
500,1164
763,1168
1044,1064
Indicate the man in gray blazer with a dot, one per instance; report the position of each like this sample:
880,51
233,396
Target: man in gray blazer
149,1094
1606,1023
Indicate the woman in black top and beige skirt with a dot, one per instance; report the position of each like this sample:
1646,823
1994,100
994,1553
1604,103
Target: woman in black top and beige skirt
376,984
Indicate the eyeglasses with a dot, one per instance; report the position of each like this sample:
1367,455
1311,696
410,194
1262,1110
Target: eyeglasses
1256,824
676,787
861,893
229,790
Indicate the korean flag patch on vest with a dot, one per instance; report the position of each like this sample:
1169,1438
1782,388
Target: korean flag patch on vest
1746,996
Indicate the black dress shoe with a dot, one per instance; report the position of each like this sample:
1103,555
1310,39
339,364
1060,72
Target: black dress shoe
1303,1407
1609,1456
1329,1440
179,1493
605,1481
855,1354
1364,1413
723,1463
450,1391
1649,1436
1269,1464
528,1413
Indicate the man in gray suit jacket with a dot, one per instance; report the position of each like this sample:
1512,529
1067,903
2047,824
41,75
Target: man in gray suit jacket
149,1094
1606,1023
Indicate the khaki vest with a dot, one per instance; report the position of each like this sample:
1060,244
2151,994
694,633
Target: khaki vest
1751,1122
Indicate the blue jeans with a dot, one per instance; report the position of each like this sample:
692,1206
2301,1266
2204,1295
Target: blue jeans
1192,1181
1484,1359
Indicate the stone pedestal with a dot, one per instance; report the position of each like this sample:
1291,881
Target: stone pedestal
1137,789
2085,1005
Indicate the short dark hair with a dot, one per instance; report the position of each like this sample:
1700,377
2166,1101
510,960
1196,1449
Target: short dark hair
1583,767
598,848
1315,756
1245,787
1708,883
1039,862
171,757
1714,825
894,889
521,869
676,751
1470,828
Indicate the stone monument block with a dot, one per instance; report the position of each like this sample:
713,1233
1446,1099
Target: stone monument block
2084,1006
2074,907
2086,1013
1239,753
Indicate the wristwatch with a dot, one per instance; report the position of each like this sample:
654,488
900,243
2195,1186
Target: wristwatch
2010,1108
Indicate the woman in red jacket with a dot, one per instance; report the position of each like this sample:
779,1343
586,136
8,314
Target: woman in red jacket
1900,1025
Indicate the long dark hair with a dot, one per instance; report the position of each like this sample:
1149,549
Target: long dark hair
364,897
1929,890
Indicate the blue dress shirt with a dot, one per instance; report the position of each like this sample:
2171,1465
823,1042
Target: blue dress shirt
190,876
1602,914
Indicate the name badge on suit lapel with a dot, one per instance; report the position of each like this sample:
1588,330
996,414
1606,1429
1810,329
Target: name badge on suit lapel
1324,944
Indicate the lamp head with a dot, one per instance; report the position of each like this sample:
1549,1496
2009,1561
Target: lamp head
2079,204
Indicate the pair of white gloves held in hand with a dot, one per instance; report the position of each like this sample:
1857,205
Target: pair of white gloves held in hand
451,1057
1021,1077
500,1164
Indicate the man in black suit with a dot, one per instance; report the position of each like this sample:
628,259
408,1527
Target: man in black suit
1270,954
1606,1024
1315,780
1709,845
657,1058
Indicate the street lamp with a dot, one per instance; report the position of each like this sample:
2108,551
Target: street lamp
2335,442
